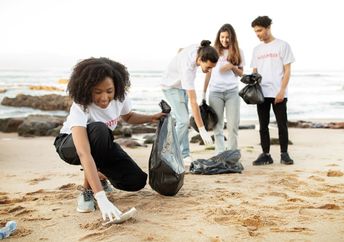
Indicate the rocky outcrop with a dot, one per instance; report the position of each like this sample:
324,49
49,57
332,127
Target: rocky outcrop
40,125
46,88
46,102
307,124
9,125
47,125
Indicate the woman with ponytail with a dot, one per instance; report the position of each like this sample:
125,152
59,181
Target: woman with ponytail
178,86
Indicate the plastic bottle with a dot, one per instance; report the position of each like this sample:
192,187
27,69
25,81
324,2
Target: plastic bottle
8,229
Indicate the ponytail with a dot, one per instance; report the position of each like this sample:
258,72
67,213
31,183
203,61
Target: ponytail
207,52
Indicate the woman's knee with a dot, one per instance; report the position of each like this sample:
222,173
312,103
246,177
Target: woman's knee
97,128
132,183
99,135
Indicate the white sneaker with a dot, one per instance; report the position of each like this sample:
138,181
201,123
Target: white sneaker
187,161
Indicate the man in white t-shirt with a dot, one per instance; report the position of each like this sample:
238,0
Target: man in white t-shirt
272,59
178,85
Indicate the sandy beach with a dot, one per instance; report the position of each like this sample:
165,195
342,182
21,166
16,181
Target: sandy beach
303,202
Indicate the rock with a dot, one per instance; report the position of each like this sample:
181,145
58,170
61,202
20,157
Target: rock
196,139
307,124
2,90
9,125
249,126
149,139
143,128
46,102
336,125
126,132
275,141
45,88
40,125
130,143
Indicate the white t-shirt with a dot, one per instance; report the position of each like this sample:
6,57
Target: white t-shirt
269,60
181,71
109,115
220,82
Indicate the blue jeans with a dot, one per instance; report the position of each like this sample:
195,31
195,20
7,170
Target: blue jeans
178,100
230,102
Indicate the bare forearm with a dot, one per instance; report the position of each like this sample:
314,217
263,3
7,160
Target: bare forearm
206,82
239,71
195,109
286,77
230,67
137,118
91,173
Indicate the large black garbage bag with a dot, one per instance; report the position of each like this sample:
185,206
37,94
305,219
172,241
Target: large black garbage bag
208,115
252,93
166,169
225,162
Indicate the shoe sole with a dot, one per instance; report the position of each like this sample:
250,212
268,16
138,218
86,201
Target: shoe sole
85,211
124,217
287,163
263,163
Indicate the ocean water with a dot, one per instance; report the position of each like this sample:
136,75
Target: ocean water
312,94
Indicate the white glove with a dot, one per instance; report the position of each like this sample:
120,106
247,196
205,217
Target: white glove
205,136
106,207
204,96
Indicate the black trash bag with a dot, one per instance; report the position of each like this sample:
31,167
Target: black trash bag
252,93
225,162
166,168
208,115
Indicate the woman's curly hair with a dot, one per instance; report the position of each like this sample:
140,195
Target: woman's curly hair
89,72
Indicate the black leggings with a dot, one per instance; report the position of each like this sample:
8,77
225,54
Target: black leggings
110,158
280,111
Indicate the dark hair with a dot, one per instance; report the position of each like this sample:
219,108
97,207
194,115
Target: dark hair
207,52
262,21
234,52
89,72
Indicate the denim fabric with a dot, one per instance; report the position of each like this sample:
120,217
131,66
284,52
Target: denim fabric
178,100
229,102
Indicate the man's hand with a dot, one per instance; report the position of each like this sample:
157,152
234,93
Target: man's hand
205,136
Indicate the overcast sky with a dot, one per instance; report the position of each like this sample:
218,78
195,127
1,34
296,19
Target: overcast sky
147,33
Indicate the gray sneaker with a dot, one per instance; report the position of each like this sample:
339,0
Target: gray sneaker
86,201
106,186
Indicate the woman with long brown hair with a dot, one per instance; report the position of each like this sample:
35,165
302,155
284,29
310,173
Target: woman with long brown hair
223,83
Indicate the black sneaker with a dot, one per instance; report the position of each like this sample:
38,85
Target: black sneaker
285,159
263,159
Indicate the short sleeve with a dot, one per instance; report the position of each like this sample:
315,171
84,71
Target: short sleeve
126,106
287,54
77,117
188,71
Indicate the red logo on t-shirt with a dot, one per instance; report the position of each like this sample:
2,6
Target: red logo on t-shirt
268,55
112,123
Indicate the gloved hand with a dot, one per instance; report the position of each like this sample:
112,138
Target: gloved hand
204,96
205,136
106,207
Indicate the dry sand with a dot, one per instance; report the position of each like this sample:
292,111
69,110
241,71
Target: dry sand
303,202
